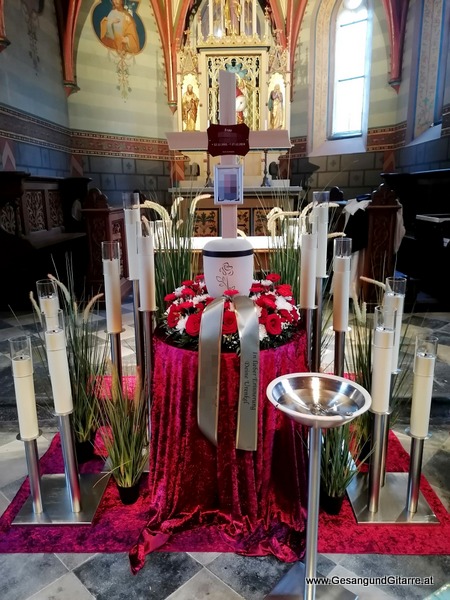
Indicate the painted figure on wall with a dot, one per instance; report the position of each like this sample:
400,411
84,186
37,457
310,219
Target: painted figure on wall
118,30
119,27
275,106
189,108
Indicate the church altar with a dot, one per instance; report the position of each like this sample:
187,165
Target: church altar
254,502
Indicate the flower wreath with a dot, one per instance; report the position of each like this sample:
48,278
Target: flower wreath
277,313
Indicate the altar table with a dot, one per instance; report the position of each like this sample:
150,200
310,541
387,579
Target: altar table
251,503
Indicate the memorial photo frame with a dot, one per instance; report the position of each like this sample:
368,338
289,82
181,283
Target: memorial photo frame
228,184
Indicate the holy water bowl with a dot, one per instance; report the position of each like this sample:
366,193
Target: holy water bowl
318,399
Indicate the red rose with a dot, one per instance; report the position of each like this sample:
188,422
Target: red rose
267,302
256,288
193,324
185,305
263,316
273,277
170,297
229,322
286,315
187,282
230,292
187,292
284,289
273,324
199,277
173,317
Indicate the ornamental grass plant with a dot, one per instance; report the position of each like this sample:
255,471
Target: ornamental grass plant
124,431
86,352
175,260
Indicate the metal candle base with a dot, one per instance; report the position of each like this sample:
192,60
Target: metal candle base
57,504
34,475
392,507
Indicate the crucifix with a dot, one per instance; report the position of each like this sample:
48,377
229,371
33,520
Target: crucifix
276,139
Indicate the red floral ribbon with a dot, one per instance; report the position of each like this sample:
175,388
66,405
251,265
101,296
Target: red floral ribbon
210,339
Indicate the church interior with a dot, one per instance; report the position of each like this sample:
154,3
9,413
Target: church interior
100,98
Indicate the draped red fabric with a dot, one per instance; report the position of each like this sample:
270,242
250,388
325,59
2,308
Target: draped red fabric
254,502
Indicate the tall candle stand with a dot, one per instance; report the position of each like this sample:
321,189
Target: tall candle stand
341,296
113,301
308,245
131,208
320,227
394,299
318,401
146,261
22,368
371,501
64,498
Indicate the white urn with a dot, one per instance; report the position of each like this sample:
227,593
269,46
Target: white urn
228,265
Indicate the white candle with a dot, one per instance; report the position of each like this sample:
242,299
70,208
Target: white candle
383,342
113,302
422,394
395,302
341,292
49,306
308,270
320,224
22,367
132,218
146,263
58,367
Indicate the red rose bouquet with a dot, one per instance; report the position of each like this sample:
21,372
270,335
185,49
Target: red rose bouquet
277,313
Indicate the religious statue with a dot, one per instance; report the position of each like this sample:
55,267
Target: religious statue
275,106
118,30
241,101
232,16
189,108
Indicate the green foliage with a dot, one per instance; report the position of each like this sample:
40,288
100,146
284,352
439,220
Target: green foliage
341,447
125,431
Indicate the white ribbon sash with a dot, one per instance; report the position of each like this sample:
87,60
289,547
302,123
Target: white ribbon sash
210,340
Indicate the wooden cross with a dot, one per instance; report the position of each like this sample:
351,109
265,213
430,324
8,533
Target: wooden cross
276,139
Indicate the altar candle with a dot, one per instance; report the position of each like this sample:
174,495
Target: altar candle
48,299
320,221
22,368
308,270
341,283
424,363
383,343
58,367
111,276
394,300
146,262
132,215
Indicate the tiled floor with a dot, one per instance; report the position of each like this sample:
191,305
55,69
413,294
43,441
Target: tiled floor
205,576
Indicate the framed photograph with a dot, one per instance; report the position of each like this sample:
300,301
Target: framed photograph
228,185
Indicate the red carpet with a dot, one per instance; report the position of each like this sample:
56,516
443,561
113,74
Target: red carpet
116,527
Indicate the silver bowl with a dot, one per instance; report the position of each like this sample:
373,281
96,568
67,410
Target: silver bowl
318,399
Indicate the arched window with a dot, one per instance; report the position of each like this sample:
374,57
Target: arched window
348,87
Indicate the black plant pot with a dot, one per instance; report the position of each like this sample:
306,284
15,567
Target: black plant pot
84,451
331,504
129,495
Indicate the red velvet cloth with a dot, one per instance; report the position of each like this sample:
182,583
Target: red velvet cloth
254,502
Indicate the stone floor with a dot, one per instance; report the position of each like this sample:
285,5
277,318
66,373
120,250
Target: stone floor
206,576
